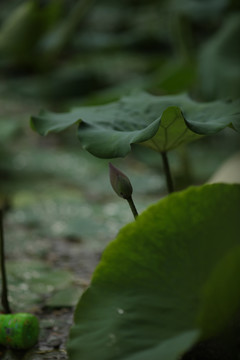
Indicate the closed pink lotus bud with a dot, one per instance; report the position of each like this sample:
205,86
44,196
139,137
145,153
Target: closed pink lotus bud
120,183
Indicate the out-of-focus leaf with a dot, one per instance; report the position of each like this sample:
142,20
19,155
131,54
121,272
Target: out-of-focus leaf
200,10
8,128
67,297
53,42
175,76
30,282
219,62
21,31
17,31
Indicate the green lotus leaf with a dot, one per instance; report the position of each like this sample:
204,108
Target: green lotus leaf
168,279
159,122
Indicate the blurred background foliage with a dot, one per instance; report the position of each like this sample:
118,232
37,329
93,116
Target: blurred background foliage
90,50
61,53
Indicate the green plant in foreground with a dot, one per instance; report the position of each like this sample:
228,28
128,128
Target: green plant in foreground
171,278
168,280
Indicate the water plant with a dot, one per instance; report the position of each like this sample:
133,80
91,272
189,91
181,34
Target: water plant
161,123
170,279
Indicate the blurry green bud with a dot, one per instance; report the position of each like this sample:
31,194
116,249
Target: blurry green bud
120,183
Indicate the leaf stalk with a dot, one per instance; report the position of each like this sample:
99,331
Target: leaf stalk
167,172
4,296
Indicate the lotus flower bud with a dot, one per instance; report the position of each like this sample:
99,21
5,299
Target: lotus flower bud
120,183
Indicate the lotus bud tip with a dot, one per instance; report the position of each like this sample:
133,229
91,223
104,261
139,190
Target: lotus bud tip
120,182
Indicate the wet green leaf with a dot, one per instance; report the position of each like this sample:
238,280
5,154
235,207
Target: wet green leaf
165,279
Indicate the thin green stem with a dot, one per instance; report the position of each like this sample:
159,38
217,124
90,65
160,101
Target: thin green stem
132,207
4,297
167,172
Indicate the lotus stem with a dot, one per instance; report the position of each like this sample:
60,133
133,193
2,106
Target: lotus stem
132,207
167,172
4,297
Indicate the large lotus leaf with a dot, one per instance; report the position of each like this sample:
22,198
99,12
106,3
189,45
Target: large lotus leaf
164,279
162,123
224,277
